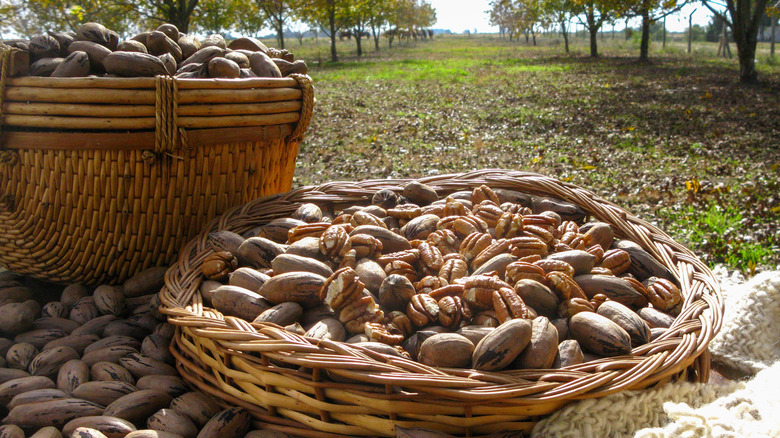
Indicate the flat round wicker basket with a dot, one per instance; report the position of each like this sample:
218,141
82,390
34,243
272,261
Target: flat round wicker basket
325,388
101,177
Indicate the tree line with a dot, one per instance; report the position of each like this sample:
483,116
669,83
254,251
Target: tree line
742,17
334,18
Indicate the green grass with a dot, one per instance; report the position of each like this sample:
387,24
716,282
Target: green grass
719,232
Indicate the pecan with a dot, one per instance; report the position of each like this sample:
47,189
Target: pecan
598,270
453,207
533,258
527,245
431,259
599,233
509,225
550,265
597,301
555,217
616,260
308,230
571,307
561,247
308,213
478,290
341,288
343,219
400,321
217,266
385,198
396,291
573,239
405,212
568,227
511,207
371,313
448,290
453,268
349,260
422,310
547,222
410,256
429,283
437,209
517,271
663,294
489,212
542,233
365,246
636,284
482,193
453,312
446,240
465,225
420,227
356,308
401,268
497,247
508,305
474,244
486,318
564,286
595,250
391,224
363,218
334,242
462,226
384,333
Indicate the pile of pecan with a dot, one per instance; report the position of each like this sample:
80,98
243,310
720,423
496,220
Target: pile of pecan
432,279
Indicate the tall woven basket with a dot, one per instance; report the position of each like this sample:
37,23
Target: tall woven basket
101,178
325,388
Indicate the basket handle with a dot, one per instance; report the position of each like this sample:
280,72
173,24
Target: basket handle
166,102
307,108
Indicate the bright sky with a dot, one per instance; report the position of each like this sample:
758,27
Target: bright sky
459,15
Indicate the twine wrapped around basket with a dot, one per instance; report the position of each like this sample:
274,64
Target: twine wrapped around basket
102,177
325,388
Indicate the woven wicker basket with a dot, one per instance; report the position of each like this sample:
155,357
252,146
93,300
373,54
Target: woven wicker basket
312,388
101,178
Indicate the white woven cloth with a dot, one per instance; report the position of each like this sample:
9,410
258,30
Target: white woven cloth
749,341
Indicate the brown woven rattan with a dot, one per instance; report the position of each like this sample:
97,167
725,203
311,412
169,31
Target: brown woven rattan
101,178
313,388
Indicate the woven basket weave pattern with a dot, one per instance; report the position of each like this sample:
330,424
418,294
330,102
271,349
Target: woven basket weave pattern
98,202
315,388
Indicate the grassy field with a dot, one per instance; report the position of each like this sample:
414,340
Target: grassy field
678,141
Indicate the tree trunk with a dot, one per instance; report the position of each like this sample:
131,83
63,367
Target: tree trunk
565,36
280,34
644,45
664,40
358,40
746,39
332,23
773,29
690,30
533,37
594,46
593,29
375,33
628,30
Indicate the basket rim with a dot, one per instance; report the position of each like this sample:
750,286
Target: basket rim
658,361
